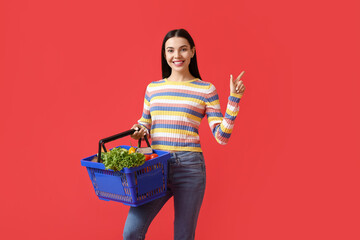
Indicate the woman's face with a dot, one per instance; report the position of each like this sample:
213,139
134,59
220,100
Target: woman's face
178,53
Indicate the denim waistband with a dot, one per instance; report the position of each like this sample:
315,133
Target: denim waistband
186,158
183,153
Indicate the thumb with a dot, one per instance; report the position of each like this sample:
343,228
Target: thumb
232,81
232,85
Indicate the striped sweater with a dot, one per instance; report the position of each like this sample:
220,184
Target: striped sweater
173,111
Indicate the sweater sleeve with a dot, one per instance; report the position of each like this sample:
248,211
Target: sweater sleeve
220,126
145,119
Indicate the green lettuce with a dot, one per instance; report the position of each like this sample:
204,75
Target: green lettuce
119,158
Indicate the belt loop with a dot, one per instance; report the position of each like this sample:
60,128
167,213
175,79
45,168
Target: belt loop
176,157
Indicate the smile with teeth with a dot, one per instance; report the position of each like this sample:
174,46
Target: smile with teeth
178,63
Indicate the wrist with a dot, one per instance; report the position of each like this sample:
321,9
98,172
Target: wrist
237,95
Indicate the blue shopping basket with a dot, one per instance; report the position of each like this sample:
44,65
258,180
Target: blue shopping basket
130,186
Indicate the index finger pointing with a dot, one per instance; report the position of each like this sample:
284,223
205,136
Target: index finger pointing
240,75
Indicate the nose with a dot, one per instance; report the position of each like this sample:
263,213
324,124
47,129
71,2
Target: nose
177,54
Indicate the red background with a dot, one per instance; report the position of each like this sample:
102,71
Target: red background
73,72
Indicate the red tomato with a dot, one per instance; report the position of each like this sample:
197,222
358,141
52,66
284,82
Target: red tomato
147,157
154,155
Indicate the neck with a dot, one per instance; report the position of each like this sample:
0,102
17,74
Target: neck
180,77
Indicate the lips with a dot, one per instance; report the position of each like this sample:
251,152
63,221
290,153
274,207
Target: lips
178,63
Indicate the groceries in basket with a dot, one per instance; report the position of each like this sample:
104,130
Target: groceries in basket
119,158
129,177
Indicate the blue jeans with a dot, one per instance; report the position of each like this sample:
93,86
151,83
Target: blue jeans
186,182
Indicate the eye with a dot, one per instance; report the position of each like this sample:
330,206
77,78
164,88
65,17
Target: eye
184,49
170,50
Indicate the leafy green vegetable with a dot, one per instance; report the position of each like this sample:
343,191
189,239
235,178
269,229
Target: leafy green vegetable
119,158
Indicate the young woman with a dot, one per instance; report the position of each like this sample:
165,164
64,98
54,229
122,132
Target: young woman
173,109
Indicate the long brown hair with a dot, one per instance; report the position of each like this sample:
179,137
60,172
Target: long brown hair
193,67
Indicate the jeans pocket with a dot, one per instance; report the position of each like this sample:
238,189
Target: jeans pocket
193,160
198,166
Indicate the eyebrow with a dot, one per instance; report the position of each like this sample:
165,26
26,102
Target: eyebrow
179,47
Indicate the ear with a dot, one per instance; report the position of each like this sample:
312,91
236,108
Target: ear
193,52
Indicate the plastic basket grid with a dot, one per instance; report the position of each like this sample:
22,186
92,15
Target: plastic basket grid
131,186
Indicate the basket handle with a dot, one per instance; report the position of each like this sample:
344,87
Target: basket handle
117,136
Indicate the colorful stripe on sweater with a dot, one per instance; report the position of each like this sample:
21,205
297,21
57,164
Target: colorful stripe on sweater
173,111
